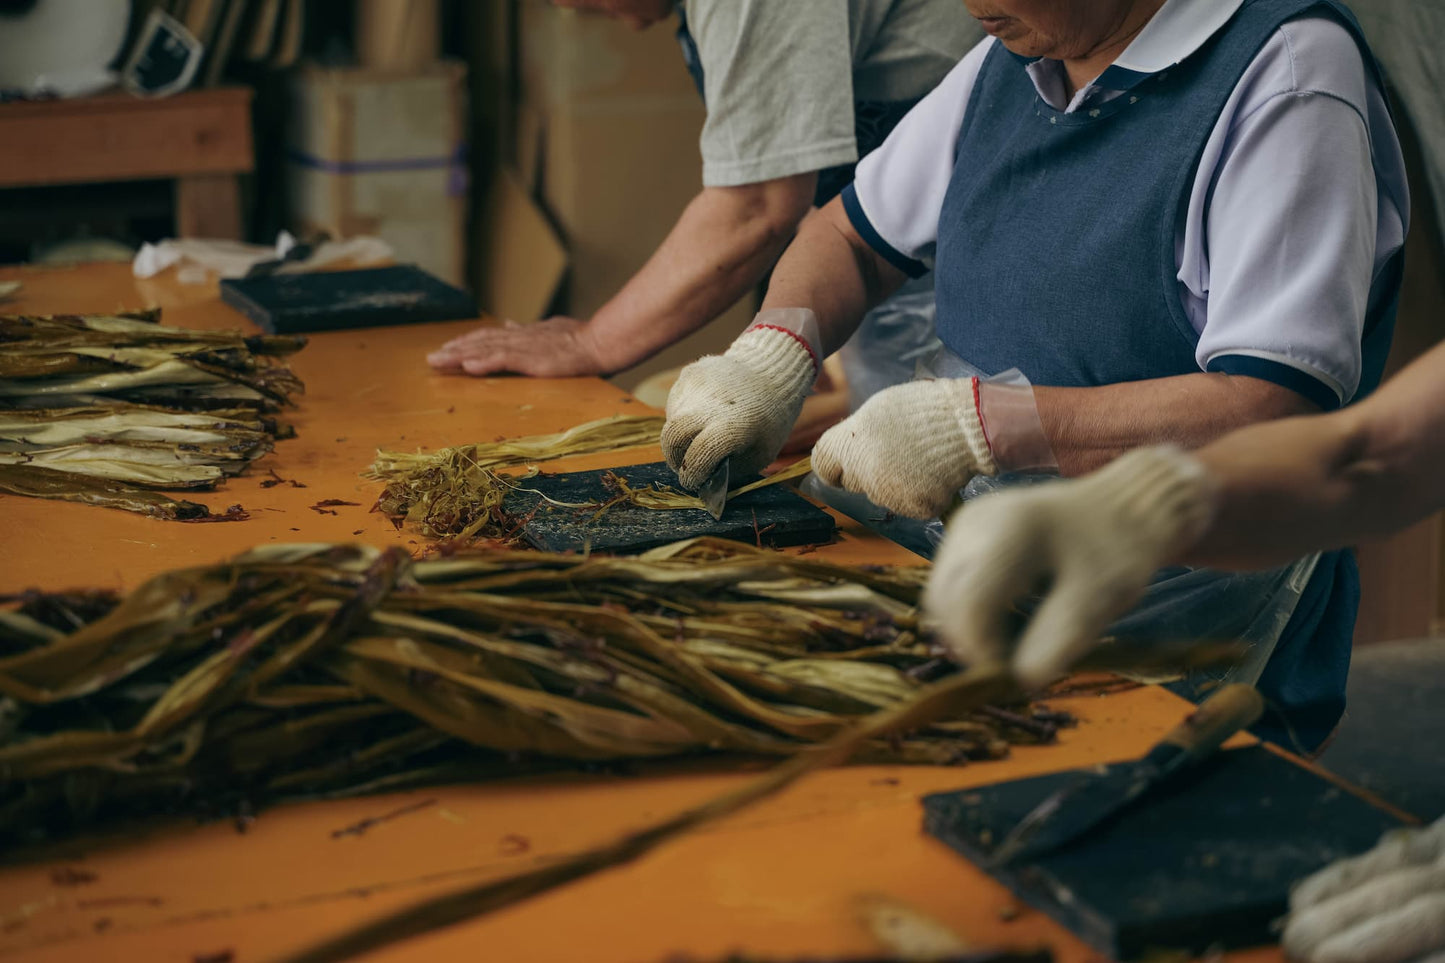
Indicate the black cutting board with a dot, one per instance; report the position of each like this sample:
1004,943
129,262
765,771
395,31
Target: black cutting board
775,515
1207,862
340,300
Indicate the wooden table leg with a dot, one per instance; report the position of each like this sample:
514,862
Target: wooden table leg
209,206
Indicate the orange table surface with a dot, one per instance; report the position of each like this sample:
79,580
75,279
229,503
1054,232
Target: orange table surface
781,879
365,389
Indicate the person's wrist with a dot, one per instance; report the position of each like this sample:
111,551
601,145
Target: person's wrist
606,355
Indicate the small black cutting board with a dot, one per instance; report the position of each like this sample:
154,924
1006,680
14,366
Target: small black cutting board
1206,862
775,515
339,300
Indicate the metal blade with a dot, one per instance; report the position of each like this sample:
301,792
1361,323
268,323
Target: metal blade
911,533
1074,810
714,491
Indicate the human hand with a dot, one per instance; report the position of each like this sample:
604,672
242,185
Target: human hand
556,348
1093,543
740,404
1386,906
909,448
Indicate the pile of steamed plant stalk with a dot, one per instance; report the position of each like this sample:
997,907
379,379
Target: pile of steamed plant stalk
458,493
116,409
317,669
322,670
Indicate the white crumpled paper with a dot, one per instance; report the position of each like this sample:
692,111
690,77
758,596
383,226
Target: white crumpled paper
196,260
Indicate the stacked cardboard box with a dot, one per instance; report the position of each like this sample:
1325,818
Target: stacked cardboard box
380,152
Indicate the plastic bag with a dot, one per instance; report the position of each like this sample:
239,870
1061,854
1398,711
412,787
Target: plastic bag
887,346
197,260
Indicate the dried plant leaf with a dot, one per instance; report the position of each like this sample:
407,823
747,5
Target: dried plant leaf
102,408
34,482
604,434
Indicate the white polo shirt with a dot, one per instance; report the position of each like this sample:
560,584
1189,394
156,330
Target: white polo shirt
1299,201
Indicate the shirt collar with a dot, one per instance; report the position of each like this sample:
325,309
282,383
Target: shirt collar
1176,31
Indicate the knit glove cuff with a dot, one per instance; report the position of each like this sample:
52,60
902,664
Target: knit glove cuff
961,399
778,357
1165,496
800,323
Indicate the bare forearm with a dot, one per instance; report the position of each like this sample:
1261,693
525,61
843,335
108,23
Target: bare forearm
1302,484
721,247
830,270
1088,427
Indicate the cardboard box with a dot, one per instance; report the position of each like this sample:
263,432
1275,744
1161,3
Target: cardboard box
383,153
608,127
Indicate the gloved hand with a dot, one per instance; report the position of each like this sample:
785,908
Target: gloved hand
909,448
1386,906
1093,542
741,404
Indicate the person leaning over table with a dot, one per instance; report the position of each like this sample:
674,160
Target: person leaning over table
1175,219
1256,496
795,92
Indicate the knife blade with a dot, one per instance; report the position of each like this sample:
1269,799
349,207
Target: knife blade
1074,810
911,533
714,491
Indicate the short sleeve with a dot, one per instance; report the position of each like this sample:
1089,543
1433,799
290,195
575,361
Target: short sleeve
778,82
897,194
1298,227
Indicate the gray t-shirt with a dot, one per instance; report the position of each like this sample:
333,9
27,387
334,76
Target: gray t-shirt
781,76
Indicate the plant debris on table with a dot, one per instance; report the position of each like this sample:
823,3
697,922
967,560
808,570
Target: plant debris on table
114,410
318,669
457,493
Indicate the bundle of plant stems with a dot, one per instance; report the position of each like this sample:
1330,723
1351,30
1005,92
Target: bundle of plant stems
115,409
457,493
318,669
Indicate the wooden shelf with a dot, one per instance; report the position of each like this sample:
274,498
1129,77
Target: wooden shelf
200,139
118,137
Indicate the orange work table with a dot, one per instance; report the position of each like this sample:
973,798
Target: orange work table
782,879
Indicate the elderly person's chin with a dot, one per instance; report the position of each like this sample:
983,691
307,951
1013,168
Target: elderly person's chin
1060,29
639,14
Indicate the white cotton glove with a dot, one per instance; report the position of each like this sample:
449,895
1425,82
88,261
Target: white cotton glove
909,448
743,403
1092,544
1387,906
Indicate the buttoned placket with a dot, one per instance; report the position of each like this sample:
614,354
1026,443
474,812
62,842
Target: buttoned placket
1048,79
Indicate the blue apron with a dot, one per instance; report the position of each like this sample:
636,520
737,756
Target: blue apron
1056,256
